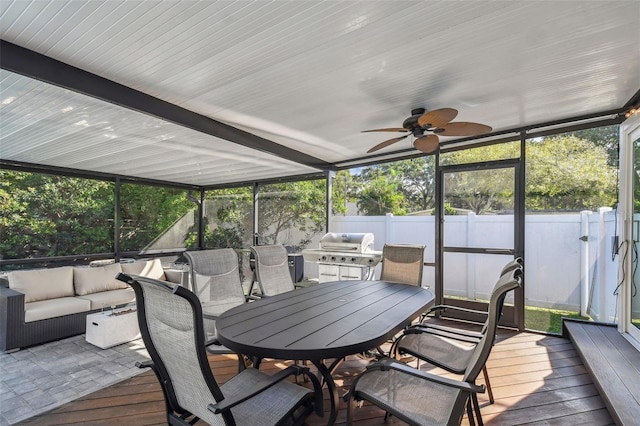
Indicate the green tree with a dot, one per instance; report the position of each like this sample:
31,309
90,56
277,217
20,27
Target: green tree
418,182
381,196
482,191
607,137
414,179
343,192
228,218
284,208
148,211
47,215
568,173
563,173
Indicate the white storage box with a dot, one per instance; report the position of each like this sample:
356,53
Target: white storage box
111,328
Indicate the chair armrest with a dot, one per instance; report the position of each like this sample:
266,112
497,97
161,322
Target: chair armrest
228,403
210,342
442,333
145,364
454,308
426,327
213,346
453,334
390,364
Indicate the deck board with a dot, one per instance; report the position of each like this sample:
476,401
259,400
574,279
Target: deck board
614,365
537,379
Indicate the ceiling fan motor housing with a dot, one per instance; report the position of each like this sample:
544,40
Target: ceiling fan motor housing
411,123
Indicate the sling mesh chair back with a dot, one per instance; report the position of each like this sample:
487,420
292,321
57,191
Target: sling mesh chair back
170,319
447,347
215,278
514,264
421,398
272,269
402,263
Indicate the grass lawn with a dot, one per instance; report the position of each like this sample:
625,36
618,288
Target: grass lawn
547,320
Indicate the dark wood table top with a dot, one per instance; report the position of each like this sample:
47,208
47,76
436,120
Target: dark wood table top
327,320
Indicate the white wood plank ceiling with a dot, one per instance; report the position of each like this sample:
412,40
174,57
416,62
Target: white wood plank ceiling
307,75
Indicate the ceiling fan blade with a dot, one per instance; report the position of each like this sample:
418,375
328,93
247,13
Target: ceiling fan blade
437,117
461,128
386,143
390,129
426,144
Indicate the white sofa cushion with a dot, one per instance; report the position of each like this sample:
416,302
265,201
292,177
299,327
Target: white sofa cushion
43,284
94,280
45,309
106,299
147,268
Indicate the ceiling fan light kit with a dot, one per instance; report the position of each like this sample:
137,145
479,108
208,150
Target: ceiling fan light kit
436,122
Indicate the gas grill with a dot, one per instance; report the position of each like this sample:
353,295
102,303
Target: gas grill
348,256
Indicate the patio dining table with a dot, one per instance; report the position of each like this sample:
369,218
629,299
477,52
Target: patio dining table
327,321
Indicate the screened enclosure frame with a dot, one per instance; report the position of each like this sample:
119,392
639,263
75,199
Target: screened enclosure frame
118,181
544,129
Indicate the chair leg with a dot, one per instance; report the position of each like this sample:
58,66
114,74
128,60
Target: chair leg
478,414
305,379
256,362
241,364
244,362
486,381
470,412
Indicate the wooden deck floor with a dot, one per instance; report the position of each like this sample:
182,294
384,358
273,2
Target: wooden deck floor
536,380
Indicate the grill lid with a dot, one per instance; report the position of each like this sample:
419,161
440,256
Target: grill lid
350,242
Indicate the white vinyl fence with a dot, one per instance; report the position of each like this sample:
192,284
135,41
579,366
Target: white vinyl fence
569,258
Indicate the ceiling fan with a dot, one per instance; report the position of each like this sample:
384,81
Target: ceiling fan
434,123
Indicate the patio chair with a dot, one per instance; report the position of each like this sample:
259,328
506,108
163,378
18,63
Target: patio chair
451,348
402,263
515,263
272,273
272,269
215,279
421,398
170,319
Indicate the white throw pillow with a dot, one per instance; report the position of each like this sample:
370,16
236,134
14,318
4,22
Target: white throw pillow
146,268
94,280
43,284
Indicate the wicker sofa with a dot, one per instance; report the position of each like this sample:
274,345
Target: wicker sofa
41,305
